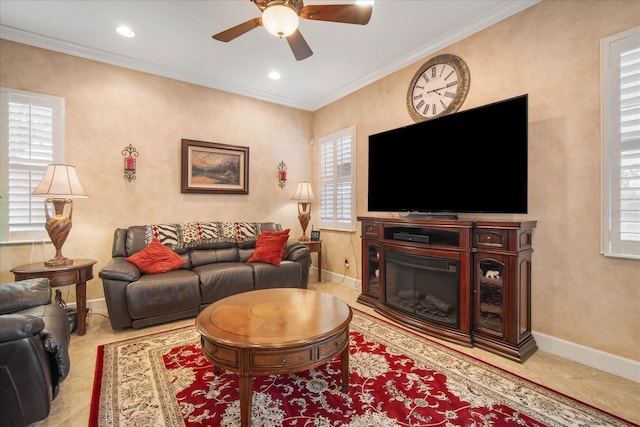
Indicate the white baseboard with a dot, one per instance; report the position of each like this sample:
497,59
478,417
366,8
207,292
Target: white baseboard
598,359
330,276
592,357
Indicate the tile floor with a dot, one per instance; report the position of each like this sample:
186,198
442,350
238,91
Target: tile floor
611,393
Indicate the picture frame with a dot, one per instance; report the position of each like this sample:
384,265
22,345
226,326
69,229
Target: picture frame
209,167
315,235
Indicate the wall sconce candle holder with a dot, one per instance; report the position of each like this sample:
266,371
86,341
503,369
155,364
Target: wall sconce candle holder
130,153
282,174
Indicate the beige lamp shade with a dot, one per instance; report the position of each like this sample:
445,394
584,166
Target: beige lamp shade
304,192
60,182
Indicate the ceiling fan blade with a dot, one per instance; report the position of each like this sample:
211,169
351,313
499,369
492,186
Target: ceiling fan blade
299,46
238,30
346,13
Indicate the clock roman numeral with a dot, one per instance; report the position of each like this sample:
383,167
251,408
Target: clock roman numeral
449,75
433,72
453,83
449,94
420,104
444,106
426,79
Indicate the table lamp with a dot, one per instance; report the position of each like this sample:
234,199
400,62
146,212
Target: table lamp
59,184
304,196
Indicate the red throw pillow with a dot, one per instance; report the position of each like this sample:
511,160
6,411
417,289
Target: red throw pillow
278,233
270,247
156,258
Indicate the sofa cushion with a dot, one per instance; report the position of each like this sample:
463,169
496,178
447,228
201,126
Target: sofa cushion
222,279
289,274
224,252
161,294
270,247
156,258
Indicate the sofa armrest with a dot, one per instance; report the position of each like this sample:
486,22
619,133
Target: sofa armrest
56,339
296,251
119,269
17,326
15,296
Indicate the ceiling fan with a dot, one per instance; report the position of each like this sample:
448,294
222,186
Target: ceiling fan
280,18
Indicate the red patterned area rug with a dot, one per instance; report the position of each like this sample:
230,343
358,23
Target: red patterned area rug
396,379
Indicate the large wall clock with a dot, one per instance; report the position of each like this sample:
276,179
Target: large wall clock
439,87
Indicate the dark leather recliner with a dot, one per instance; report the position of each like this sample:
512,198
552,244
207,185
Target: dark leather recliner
34,357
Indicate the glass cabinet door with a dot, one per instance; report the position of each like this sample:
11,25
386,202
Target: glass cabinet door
490,298
373,270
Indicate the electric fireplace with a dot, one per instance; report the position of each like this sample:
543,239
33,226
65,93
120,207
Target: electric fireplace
419,274
425,286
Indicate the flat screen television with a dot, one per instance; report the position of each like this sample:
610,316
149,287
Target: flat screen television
472,161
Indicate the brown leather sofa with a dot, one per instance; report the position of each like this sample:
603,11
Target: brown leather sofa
34,357
216,267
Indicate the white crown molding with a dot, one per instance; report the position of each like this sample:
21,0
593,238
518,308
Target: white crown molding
504,10
481,22
37,40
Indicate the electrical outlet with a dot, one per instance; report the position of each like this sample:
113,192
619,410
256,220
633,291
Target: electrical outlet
346,263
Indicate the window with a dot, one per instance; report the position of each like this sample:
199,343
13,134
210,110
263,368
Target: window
338,180
620,59
31,137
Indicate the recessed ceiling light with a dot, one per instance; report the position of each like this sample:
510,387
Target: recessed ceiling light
125,31
274,75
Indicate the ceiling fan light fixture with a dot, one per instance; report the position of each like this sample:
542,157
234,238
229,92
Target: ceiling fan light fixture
280,20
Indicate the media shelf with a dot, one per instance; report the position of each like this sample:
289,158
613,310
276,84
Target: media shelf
429,235
465,281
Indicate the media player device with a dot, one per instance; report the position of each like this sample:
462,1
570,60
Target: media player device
410,237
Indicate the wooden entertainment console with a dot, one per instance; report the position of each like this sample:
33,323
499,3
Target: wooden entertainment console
465,281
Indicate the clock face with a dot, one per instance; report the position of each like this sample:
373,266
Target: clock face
439,87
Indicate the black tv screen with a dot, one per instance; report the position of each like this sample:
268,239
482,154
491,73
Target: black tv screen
472,161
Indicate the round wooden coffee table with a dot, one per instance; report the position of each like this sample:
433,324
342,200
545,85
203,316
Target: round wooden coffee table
274,331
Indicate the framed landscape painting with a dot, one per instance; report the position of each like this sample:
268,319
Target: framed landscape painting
209,167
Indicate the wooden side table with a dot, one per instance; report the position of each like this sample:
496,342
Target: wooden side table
79,272
316,246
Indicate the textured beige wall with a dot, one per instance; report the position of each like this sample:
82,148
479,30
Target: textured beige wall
552,52
108,108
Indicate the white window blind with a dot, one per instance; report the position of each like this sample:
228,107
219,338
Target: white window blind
337,180
620,57
32,127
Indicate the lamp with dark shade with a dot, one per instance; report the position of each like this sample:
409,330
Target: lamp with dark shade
59,184
304,196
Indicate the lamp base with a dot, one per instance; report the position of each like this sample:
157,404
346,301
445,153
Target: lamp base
303,239
56,262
